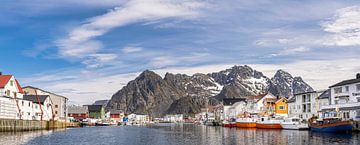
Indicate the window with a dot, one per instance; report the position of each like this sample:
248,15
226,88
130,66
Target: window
304,108
22,102
11,83
308,107
8,93
56,106
358,87
346,88
56,112
358,99
281,107
338,90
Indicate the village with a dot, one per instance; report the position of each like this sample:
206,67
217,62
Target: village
331,110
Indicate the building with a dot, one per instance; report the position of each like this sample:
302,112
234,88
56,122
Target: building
345,99
263,104
323,100
173,118
78,112
40,107
96,111
233,108
116,115
59,103
10,93
304,105
281,107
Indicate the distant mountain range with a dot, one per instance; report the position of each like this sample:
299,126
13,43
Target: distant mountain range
151,94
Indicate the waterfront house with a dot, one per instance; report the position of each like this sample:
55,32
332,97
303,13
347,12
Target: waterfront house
323,100
78,112
116,115
41,107
263,104
233,108
59,103
173,118
10,93
281,107
304,105
345,99
96,111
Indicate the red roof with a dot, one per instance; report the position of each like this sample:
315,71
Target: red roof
4,79
18,86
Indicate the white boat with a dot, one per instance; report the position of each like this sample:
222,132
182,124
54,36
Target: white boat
293,123
269,123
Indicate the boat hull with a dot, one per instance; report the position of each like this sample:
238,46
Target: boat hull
268,126
294,126
246,124
336,127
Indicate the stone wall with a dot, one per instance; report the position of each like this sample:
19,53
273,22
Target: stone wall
9,125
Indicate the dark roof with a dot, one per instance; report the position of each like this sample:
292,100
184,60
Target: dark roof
304,93
346,82
291,100
325,95
116,111
77,110
94,108
231,101
33,98
101,102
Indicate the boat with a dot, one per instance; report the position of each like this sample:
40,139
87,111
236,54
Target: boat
102,124
268,123
246,122
330,125
294,123
229,124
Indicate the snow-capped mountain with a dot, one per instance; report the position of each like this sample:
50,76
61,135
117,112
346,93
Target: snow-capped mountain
151,94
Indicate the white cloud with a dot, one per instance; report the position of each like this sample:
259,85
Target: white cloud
131,49
289,51
98,60
167,60
80,42
344,27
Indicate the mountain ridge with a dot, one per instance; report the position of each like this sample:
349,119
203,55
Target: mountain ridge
149,93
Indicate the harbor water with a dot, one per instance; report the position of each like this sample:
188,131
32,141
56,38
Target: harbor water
175,134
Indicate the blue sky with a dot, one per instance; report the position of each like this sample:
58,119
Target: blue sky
87,50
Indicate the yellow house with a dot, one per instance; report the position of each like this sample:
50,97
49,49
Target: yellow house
281,107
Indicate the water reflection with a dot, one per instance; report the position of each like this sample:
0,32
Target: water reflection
176,134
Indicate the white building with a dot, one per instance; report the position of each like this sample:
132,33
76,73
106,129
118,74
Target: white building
305,105
174,118
233,107
59,103
345,99
38,107
10,93
261,104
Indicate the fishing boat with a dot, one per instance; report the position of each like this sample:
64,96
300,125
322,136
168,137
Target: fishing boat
294,123
269,123
334,124
246,122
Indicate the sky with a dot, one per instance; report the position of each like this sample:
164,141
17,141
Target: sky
89,49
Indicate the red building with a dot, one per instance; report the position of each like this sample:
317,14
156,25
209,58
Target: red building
78,112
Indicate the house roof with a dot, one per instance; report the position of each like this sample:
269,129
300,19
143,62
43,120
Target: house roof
4,79
257,97
94,108
325,95
33,98
304,93
231,101
78,110
116,111
44,91
281,99
291,100
101,102
346,82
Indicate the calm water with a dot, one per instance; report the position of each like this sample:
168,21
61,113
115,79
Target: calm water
174,134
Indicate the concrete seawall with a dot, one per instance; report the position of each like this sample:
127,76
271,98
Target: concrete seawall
8,125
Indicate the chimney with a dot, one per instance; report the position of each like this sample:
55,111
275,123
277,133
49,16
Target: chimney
358,76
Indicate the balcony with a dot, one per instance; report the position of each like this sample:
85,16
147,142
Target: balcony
346,106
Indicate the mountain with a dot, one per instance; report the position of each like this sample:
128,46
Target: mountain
151,94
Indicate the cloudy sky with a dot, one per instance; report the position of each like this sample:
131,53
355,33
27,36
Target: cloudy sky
89,49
